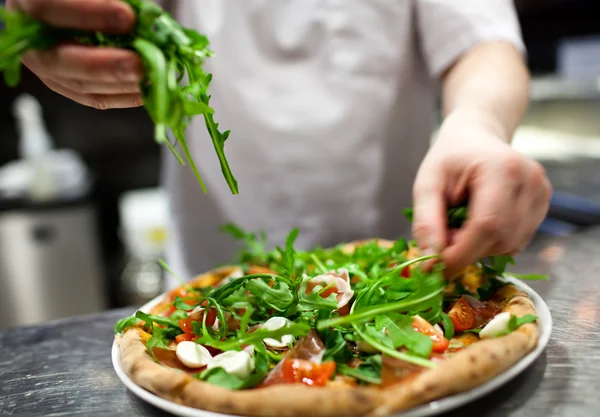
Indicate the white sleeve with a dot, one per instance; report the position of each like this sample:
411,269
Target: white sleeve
449,28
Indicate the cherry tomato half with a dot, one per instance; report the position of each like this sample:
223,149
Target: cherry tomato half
461,315
440,343
300,371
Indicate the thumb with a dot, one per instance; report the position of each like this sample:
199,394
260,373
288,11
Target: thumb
429,213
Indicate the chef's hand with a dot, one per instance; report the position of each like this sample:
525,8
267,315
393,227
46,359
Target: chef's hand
98,77
508,194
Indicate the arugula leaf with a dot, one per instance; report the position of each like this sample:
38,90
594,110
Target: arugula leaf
447,325
294,329
370,312
530,277
149,319
456,216
179,315
159,339
255,251
289,255
379,334
278,297
515,322
123,324
313,300
182,305
409,214
369,371
220,377
375,339
402,334
336,347
168,51
497,264
222,293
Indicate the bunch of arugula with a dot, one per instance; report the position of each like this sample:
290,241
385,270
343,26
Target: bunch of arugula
381,314
169,54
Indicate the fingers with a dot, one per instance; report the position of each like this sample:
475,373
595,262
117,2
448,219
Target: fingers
493,198
533,206
98,101
79,62
110,16
429,215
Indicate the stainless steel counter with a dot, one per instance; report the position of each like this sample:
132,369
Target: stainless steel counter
64,368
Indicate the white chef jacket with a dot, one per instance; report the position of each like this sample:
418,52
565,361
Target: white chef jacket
331,105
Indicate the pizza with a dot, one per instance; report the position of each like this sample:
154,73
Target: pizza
358,329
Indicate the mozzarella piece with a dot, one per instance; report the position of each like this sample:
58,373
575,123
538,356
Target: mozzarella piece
238,363
496,326
438,329
341,281
276,323
193,355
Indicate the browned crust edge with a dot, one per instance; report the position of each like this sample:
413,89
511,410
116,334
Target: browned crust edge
470,367
465,370
277,400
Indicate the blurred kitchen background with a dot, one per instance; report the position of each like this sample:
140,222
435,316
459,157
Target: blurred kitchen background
91,238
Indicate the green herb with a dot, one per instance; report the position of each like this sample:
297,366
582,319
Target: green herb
125,323
179,315
313,300
447,325
278,297
294,329
254,252
149,319
336,347
369,371
220,377
476,331
385,348
400,329
530,277
515,322
289,255
168,52
180,304
456,216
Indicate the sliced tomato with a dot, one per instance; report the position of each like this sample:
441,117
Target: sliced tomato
300,371
185,337
440,343
186,324
462,315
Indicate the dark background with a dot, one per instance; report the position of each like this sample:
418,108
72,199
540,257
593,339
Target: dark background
117,144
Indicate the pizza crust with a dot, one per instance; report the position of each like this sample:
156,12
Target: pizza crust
465,370
470,367
272,401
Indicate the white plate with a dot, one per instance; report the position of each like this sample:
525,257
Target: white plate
430,409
